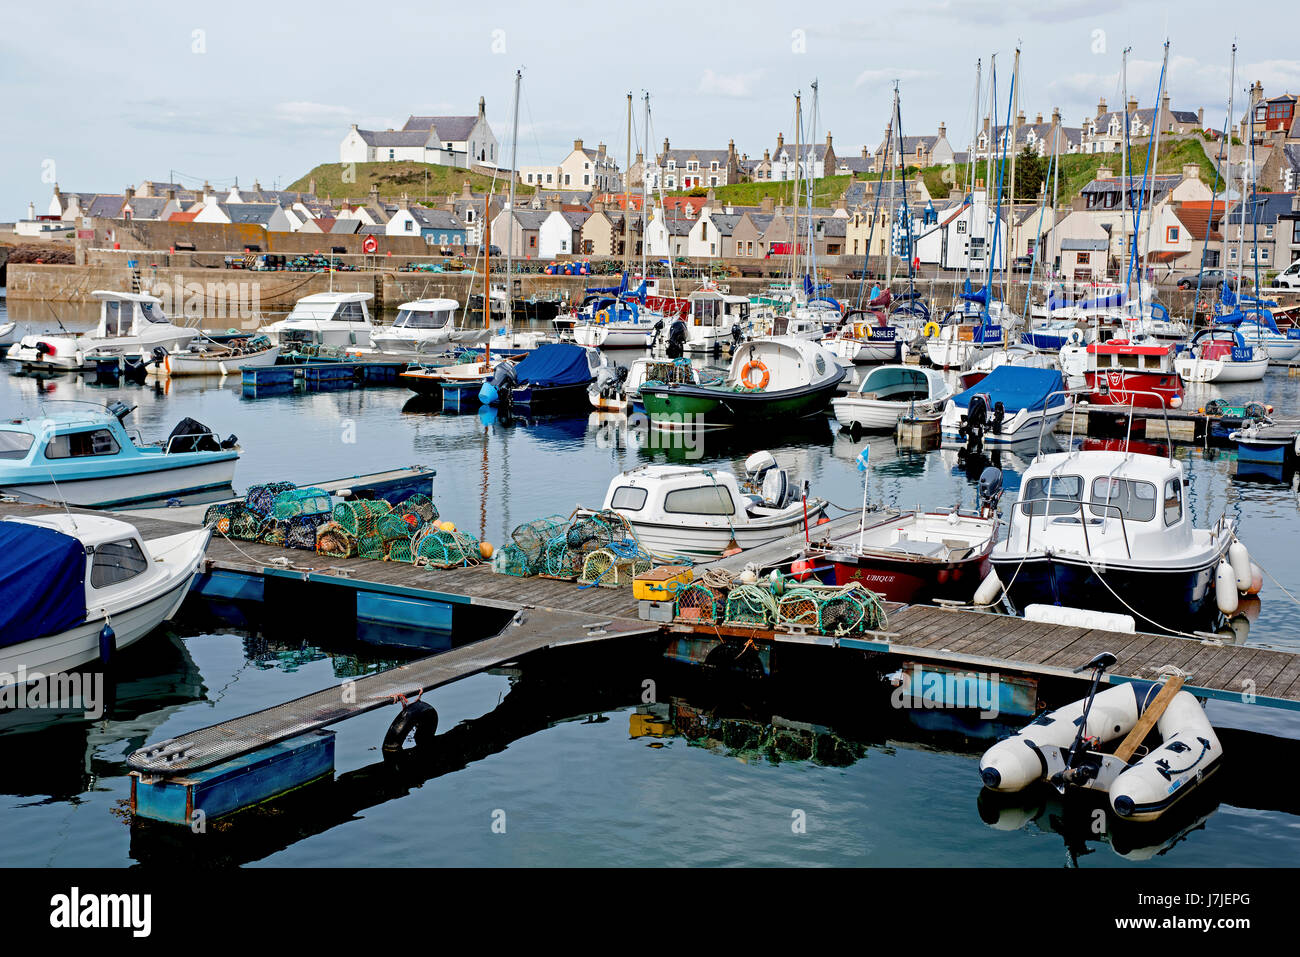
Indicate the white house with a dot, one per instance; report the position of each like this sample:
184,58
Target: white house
439,140
559,234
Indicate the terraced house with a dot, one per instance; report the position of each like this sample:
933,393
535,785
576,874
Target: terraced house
681,169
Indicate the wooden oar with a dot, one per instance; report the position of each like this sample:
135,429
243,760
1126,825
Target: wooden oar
1149,718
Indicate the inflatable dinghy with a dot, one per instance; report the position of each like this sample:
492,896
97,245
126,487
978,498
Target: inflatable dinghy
1064,747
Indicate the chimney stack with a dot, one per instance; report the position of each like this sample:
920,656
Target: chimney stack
1101,107
767,205
1105,172
374,196
1038,120
482,106
1132,105
577,146
780,141
943,130
1191,171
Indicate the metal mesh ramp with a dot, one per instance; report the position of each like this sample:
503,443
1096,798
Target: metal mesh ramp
221,742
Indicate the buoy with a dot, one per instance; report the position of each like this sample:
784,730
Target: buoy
485,549
1225,589
1176,402
1239,559
778,583
802,570
107,644
447,527
989,590
1256,580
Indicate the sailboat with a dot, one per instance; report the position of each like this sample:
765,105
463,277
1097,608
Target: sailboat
626,319
1222,353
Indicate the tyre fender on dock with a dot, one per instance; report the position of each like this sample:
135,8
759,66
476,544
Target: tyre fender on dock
1189,750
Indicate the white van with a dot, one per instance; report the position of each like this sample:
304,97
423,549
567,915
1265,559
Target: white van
1289,278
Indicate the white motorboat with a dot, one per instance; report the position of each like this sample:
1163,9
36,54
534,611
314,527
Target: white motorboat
205,357
865,337
76,588
712,317
1222,354
8,333
705,513
1010,404
420,323
332,320
888,392
1105,530
87,458
130,324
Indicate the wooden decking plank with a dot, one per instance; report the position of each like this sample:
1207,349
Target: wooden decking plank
1223,678
1283,680
981,631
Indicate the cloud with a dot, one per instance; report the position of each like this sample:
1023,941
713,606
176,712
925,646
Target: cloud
996,12
305,112
728,84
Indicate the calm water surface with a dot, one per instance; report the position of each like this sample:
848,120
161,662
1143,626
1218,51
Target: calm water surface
578,786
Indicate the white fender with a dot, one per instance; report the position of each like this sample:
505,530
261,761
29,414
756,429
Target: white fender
1014,763
1256,580
1239,559
1189,750
989,590
1225,589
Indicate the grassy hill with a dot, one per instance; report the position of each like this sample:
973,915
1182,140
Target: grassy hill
1078,170
825,191
416,180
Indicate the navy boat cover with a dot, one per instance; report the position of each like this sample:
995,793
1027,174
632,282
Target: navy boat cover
42,582
1017,387
554,364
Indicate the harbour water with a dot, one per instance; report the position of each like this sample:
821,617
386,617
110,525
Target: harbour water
582,787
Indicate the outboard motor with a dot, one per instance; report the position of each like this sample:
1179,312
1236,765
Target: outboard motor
677,339
990,489
158,354
120,410
608,381
736,335
658,330
995,424
974,422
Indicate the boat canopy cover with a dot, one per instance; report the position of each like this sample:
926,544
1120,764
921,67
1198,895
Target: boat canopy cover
980,295
42,582
554,364
1017,387
1110,301
1261,317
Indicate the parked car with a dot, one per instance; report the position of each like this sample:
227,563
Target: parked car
1289,278
493,250
1022,264
1211,278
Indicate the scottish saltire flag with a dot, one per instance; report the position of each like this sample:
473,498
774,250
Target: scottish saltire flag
862,458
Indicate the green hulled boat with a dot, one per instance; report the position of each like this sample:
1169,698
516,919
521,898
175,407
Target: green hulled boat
776,379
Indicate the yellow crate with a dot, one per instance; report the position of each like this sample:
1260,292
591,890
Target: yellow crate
661,584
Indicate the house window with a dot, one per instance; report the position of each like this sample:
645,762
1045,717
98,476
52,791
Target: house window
1171,234
410,225
586,180
548,177
392,154
564,245
566,179
1083,259
532,242
713,181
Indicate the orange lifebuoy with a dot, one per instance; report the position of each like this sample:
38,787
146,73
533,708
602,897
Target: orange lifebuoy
750,367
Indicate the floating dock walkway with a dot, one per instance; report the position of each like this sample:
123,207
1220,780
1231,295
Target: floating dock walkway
264,754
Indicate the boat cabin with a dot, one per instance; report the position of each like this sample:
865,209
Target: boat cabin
127,314
331,307
713,309
774,365
682,495
902,384
1122,355
116,558
423,315
1107,504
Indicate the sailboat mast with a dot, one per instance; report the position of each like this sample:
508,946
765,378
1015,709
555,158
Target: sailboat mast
1232,89
893,192
1015,126
794,195
988,183
514,174
1151,173
645,186
974,138
808,180
1124,227
627,193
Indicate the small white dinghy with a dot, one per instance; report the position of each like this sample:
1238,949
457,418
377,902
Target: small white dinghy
1064,747
65,579
205,357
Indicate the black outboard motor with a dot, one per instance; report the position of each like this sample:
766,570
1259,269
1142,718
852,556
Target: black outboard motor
974,422
995,424
990,489
120,410
658,330
736,335
676,339
503,375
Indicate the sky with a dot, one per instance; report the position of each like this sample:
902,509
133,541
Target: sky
101,96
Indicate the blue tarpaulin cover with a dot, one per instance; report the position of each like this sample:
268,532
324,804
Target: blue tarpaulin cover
554,364
1017,388
42,582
